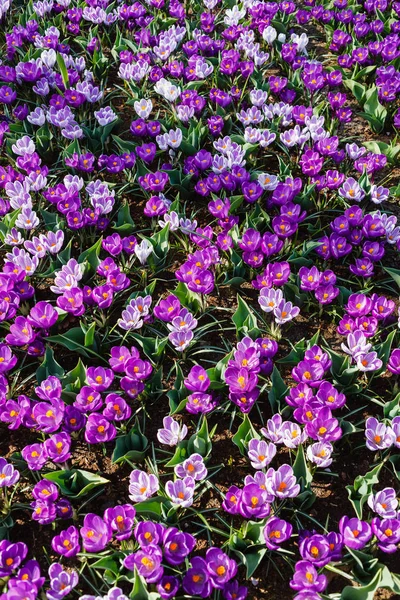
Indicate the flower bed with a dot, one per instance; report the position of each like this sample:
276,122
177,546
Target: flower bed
199,300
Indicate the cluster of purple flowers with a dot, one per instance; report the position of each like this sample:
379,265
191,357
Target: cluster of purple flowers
364,315
180,322
241,376
47,506
356,231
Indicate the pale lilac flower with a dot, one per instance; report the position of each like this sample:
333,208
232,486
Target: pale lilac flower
180,339
368,362
192,467
172,433
320,454
292,434
142,485
379,436
269,299
285,312
384,503
105,116
273,430
260,453
181,491
143,108
23,146
351,190
27,219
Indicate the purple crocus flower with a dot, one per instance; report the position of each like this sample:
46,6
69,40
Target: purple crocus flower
177,545
315,549
99,378
384,503
147,562
121,520
147,532
95,533
66,542
21,333
58,447
387,532
61,582
324,427
11,556
168,587
220,567
276,532
197,581
306,578
356,534
98,429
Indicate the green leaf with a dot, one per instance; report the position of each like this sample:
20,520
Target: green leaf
124,223
75,483
356,89
91,255
362,488
131,446
243,317
394,274
63,69
366,592
154,508
75,340
392,408
140,591
76,378
395,462
278,390
244,434
200,442
109,563
251,560
49,367
181,454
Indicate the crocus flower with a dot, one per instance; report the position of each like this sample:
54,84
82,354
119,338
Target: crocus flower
142,485
306,577
384,503
282,483
387,532
197,580
177,545
172,433
95,533
121,520
61,582
148,563
192,467
8,474
66,542
356,534
99,429
181,491
276,532
378,435
260,453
